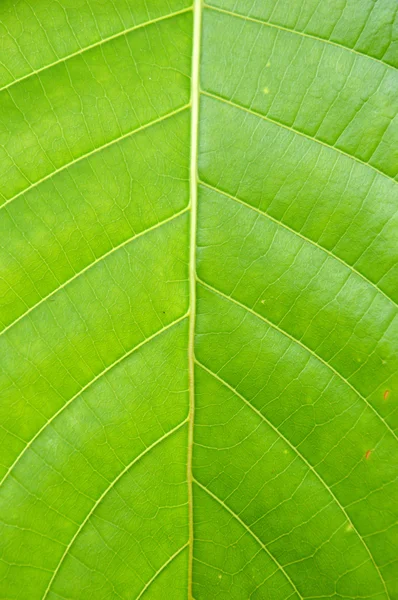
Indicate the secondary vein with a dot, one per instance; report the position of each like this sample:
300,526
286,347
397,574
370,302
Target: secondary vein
85,387
95,151
307,348
302,457
94,45
297,32
301,235
91,265
100,499
297,132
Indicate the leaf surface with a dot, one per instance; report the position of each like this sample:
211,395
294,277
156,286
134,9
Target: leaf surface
198,300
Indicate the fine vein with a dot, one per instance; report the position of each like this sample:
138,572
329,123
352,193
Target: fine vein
302,236
94,45
253,535
89,384
297,32
94,151
301,456
300,343
297,132
100,499
91,265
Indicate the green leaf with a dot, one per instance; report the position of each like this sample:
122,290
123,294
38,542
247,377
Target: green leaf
198,300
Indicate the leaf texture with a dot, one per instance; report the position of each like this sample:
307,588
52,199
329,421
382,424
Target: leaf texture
198,300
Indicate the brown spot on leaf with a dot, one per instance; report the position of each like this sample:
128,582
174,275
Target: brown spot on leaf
368,453
386,394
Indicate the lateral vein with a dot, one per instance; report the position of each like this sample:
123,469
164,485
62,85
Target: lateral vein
300,455
83,389
297,132
159,571
108,489
93,264
296,32
285,333
99,149
95,45
251,532
295,232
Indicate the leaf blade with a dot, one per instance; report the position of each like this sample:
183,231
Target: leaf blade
198,300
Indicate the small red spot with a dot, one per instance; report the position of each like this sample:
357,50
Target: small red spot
368,453
386,394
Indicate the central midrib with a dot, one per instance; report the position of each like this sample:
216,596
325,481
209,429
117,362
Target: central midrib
197,19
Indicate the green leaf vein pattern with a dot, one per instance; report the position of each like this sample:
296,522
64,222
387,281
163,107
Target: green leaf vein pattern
198,300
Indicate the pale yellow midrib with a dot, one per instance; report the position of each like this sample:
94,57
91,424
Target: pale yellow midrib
195,94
